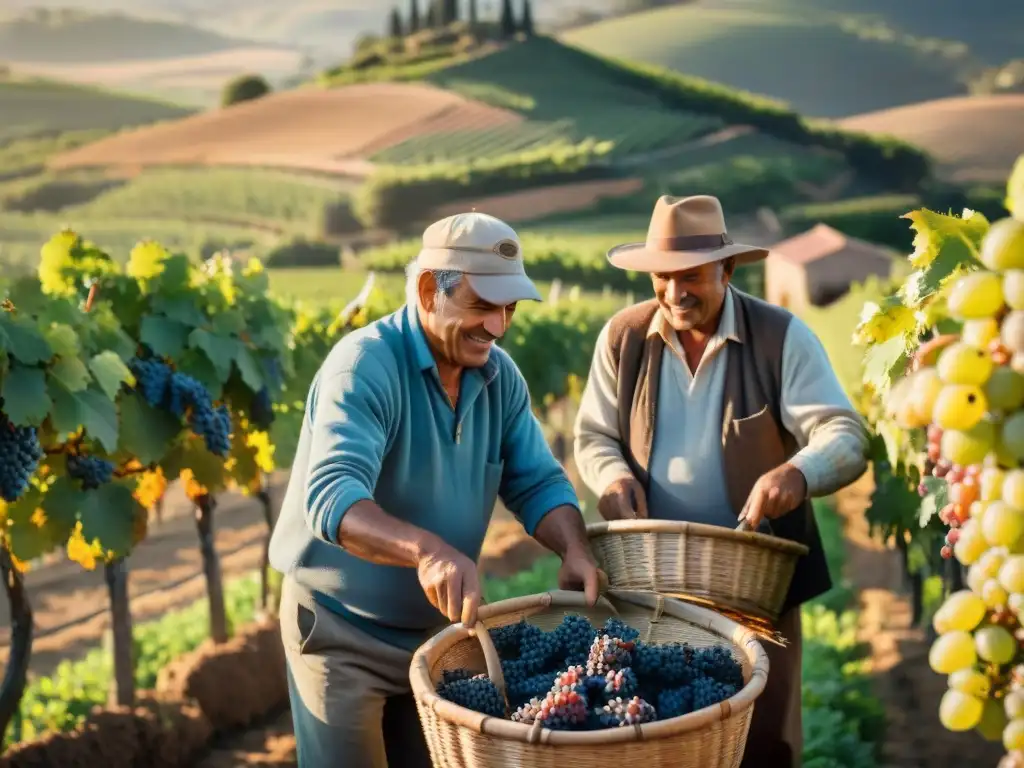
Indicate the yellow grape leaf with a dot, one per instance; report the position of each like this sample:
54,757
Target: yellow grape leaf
81,551
932,230
56,257
151,488
260,442
881,322
1015,190
146,260
193,489
21,566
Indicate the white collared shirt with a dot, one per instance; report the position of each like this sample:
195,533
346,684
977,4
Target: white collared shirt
687,475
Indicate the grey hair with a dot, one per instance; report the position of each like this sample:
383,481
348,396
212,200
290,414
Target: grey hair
447,281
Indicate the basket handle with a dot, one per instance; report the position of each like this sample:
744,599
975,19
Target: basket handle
491,658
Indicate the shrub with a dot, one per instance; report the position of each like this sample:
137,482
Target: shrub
299,252
244,88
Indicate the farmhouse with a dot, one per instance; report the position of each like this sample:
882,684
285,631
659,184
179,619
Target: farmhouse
817,267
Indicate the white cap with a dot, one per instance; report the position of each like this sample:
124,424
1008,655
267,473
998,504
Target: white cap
486,250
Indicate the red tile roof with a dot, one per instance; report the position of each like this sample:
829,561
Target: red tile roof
822,241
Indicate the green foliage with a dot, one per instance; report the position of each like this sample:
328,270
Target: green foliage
244,88
399,198
300,252
60,701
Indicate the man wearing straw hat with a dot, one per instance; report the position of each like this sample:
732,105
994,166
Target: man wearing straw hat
414,426
708,405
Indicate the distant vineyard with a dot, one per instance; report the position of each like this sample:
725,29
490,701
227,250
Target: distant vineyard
631,129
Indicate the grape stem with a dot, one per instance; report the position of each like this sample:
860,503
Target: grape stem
94,290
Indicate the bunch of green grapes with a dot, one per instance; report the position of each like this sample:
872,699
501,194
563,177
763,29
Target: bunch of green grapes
972,404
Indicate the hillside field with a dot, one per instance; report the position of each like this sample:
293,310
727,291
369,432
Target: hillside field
974,139
804,58
41,106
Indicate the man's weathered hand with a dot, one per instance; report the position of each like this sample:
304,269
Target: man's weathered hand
579,572
451,584
623,499
774,494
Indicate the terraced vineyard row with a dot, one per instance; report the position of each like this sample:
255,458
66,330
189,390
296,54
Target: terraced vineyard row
632,129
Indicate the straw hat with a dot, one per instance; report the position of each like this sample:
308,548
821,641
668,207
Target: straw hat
685,232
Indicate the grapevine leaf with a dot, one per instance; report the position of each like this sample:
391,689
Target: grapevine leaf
62,340
55,259
175,277
229,323
61,504
24,394
108,514
1015,190
24,342
937,497
207,469
892,436
99,417
66,415
146,260
71,373
183,311
110,372
933,230
884,361
243,460
109,335
28,535
146,432
220,350
952,256
249,369
197,365
164,336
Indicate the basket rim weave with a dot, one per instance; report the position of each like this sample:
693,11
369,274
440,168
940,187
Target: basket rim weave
700,529
426,696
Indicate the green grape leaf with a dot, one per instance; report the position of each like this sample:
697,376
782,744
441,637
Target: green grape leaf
207,468
934,230
108,514
24,394
146,432
182,310
99,417
61,504
176,276
229,322
164,336
952,257
24,341
27,540
883,362
1015,190
249,369
110,372
107,334
71,373
197,365
66,413
63,340
936,499
220,350
244,469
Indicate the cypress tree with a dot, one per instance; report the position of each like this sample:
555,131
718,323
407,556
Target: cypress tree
395,24
414,16
508,21
526,22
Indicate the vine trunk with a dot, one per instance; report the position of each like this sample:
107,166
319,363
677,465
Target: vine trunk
205,506
123,692
16,674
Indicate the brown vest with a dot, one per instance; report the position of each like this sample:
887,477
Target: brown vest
753,438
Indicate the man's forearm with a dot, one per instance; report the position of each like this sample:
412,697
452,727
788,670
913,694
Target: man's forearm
562,531
370,533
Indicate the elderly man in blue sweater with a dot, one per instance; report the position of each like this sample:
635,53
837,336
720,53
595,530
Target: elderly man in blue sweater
414,426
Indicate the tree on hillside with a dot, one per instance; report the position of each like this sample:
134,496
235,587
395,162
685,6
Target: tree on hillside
414,16
432,16
474,17
395,24
526,22
508,20
449,11
244,88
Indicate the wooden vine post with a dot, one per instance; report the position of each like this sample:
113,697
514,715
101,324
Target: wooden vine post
205,506
16,672
123,690
266,604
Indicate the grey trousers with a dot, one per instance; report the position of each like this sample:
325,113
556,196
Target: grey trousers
350,697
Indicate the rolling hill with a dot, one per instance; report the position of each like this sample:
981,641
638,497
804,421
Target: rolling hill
39,106
812,61
974,139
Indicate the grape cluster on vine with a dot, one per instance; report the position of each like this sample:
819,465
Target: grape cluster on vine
619,681
90,471
185,397
20,454
971,404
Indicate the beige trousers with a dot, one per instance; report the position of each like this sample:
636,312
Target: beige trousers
776,729
350,697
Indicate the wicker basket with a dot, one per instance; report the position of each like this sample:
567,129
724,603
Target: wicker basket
748,572
713,737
